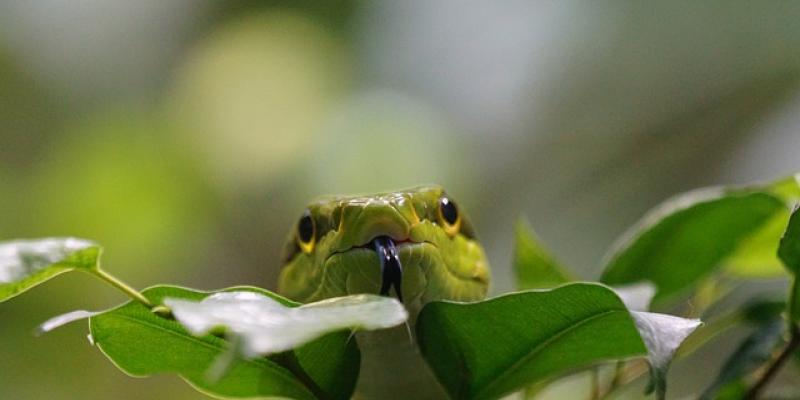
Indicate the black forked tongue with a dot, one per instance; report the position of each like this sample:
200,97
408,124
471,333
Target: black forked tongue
391,270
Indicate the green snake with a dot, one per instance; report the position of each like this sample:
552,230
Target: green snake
417,243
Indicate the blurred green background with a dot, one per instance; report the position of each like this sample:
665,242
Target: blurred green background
186,136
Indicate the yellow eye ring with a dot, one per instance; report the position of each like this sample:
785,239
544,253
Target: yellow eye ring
306,232
449,217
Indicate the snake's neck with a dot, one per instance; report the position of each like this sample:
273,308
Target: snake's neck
393,368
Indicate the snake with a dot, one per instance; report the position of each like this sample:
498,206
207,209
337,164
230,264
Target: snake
414,244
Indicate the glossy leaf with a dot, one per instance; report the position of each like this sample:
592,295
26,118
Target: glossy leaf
142,343
535,267
688,237
27,263
265,326
491,348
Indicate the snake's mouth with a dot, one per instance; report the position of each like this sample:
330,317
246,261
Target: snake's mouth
391,268
389,252
386,249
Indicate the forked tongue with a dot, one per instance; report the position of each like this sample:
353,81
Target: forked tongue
391,269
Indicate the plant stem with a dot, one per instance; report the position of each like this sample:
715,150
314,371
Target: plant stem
624,375
122,286
791,347
775,366
595,375
619,370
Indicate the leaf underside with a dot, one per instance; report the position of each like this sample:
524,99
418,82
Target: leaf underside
27,263
261,325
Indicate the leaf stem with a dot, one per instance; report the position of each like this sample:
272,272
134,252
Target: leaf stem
595,376
289,361
122,286
619,370
625,374
786,353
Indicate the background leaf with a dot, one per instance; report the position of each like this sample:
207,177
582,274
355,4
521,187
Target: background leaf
756,256
688,237
27,263
487,349
756,312
142,343
789,249
534,266
751,354
789,253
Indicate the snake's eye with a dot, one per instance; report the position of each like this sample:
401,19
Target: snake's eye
306,232
448,216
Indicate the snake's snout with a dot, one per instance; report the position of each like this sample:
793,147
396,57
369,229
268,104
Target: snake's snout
391,268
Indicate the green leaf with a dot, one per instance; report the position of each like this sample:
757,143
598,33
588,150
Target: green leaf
487,349
535,267
751,354
756,256
266,326
142,343
788,189
789,253
27,263
789,248
688,237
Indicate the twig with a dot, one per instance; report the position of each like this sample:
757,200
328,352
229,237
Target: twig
775,365
791,347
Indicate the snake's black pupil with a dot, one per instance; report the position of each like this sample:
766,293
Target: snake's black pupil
449,210
305,228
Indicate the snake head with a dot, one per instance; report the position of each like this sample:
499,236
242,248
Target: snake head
416,241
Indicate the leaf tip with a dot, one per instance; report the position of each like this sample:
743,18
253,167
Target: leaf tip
63,319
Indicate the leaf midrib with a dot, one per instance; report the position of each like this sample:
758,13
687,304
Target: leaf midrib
209,345
503,375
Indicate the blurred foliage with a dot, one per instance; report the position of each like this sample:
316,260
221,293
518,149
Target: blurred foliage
122,179
253,94
196,157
